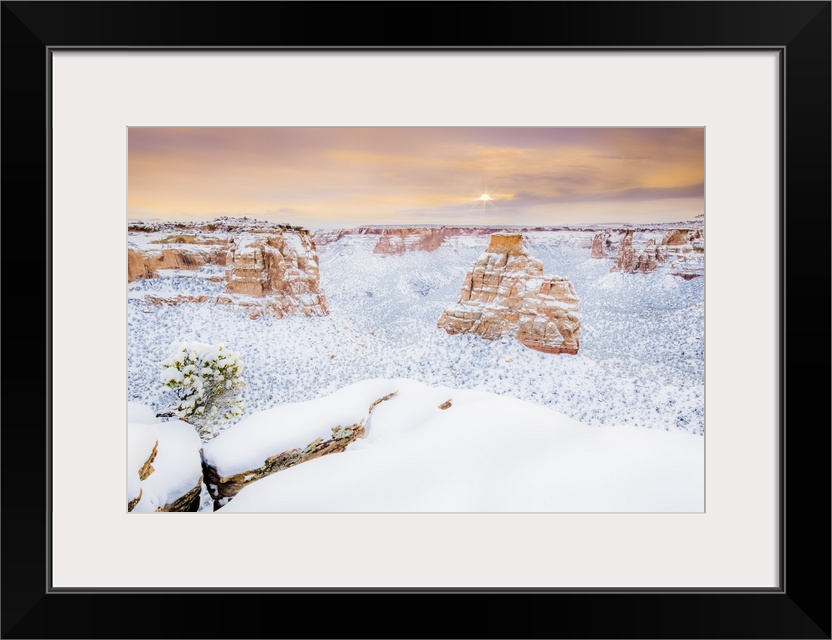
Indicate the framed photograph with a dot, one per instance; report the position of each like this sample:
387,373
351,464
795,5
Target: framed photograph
576,233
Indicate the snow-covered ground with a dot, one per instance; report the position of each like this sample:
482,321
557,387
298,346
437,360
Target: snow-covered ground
293,426
480,453
177,467
641,360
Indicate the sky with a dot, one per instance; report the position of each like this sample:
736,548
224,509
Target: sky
343,177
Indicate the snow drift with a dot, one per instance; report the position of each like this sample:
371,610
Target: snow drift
437,449
163,465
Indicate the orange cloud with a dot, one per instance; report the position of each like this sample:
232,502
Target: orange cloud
431,173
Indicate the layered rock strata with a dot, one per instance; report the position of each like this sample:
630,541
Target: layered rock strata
282,268
685,252
506,293
681,251
273,272
399,241
630,260
606,243
428,238
146,264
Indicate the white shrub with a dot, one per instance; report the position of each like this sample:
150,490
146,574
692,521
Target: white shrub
207,381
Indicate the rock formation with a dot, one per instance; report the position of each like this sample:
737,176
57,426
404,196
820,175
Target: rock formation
146,264
136,267
506,293
606,243
428,238
398,241
633,251
685,251
271,270
599,246
630,260
281,268
187,502
163,467
223,489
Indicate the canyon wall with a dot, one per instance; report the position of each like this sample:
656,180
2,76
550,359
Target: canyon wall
398,241
281,268
680,251
271,270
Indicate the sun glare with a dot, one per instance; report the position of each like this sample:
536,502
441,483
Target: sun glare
484,200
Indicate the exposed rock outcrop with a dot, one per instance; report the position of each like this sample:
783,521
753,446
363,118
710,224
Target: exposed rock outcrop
271,271
136,266
174,300
282,268
685,251
146,264
630,260
188,502
224,488
598,246
506,293
634,251
131,504
164,471
606,243
398,241
428,238
147,468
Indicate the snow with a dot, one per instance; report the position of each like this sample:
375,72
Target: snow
207,280
636,387
641,359
293,242
177,466
137,412
485,453
290,426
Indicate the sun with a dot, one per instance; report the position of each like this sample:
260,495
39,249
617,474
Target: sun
484,200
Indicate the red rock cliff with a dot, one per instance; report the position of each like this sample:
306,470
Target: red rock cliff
398,241
282,268
681,251
146,264
506,293
271,270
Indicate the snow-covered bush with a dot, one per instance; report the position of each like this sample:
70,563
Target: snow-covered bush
207,381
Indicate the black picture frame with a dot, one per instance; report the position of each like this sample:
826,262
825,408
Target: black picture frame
798,608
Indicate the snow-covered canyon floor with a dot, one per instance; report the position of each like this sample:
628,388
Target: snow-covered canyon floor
616,427
641,360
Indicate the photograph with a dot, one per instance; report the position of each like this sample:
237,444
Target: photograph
416,319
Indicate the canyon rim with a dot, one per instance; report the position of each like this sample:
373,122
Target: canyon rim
415,320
